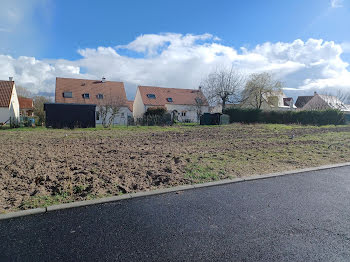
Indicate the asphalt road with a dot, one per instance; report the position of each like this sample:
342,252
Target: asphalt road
304,217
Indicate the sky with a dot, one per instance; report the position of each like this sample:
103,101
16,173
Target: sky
303,43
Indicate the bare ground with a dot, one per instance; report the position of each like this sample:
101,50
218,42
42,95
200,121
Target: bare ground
41,167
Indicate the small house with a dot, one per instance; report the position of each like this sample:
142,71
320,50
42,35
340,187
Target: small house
321,102
26,106
185,105
9,105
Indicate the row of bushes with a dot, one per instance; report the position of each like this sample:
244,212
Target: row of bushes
321,117
153,120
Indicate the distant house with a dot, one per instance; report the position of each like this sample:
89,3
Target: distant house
320,102
26,106
98,92
186,105
302,101
276,100
9,105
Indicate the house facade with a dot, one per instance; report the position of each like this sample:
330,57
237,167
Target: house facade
106,95
9,105
26,106
276,100
185,105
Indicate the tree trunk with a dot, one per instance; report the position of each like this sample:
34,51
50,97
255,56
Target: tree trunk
223,105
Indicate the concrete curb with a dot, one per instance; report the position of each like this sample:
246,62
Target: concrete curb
164,191
23,213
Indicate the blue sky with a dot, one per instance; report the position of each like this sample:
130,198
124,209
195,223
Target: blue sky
53,32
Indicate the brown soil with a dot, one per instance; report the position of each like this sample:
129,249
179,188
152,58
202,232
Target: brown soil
84,164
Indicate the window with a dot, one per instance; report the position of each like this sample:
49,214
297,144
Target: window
86,96
122,115
67,94
183,113
99,96
169,99
151,96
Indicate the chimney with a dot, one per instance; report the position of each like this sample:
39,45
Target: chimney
200,88
315,93
10,78
103,80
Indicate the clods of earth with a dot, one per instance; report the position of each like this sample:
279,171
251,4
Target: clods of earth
41,167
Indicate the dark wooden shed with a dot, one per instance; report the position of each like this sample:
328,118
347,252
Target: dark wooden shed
70,115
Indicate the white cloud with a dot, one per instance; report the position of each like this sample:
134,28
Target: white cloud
175,60
336,3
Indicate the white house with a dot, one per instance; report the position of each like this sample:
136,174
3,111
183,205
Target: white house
9,105
102,93
276,100
186,105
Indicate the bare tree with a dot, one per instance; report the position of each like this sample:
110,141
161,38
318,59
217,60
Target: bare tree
39,112
108,110
23,92
199,107
223,86
259,88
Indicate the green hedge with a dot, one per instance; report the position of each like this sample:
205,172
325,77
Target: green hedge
155,111
321,117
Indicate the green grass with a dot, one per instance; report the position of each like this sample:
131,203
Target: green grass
45,201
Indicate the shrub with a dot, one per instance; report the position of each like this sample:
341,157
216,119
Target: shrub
243,115
320,117
158,111
154,120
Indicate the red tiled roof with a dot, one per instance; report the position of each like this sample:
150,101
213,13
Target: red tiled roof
111,91
25,103
179,96
130,105
6,88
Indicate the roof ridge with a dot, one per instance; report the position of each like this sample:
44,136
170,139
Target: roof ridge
84,79
171,88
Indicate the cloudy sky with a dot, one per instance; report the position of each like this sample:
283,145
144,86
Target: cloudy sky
304,43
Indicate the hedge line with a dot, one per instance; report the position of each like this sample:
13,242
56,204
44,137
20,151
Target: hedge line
321,117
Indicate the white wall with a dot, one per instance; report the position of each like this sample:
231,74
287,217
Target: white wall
191,112
120,119
138,107
14,104
4,114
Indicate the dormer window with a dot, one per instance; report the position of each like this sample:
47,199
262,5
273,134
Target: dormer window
86,96
99,96
67,94
169,99
151,96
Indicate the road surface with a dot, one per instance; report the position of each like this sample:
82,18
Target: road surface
303,217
